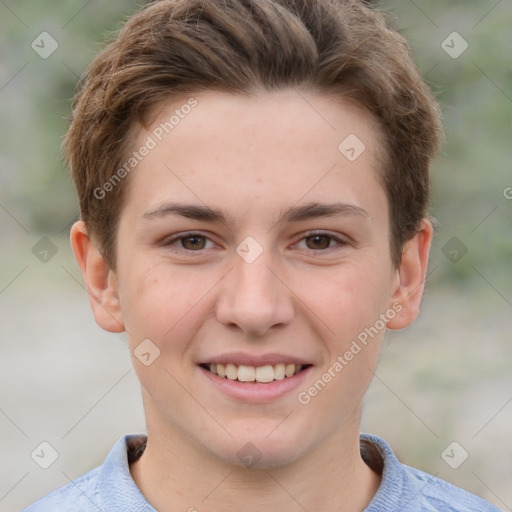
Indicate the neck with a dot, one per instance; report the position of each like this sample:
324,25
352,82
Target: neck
174,474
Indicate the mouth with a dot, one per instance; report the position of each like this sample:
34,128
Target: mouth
255,374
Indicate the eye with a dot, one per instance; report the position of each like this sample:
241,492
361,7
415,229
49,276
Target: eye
188,242
321,241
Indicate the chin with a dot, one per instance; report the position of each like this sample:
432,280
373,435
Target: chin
259,451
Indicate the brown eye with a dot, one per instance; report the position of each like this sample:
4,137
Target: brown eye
318,241
193,243
187,243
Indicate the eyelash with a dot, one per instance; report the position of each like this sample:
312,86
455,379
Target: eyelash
170,242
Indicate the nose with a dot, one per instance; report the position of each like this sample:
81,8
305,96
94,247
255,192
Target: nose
253,298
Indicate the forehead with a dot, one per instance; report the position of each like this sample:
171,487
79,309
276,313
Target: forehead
272,147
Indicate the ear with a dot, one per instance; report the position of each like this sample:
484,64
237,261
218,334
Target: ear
410,277
100,280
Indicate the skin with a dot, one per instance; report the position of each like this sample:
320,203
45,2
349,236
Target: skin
254,157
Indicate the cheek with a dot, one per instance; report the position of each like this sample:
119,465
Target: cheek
348,305
146,304
346,299
163,303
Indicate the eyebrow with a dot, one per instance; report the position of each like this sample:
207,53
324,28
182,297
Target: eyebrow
294,214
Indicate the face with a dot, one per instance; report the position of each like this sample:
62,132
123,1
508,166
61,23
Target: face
252,243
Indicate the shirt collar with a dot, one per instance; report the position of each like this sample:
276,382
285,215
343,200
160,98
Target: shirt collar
120,493
117,489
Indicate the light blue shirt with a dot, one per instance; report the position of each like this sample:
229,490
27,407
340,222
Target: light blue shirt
110,488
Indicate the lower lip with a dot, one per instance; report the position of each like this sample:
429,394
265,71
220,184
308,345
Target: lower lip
256,392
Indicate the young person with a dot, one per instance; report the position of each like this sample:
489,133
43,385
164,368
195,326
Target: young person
253,178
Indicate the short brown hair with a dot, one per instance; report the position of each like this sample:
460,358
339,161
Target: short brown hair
171,48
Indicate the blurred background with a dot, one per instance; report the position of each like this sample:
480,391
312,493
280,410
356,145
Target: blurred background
445,380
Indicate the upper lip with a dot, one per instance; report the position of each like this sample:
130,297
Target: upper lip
239,358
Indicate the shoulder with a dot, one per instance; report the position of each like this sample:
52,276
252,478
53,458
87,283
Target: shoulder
80,495
436,494
412,490
107,487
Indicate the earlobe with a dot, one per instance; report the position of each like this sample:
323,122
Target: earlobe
411,276
100,280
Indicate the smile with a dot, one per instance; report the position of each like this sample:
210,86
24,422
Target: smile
261,374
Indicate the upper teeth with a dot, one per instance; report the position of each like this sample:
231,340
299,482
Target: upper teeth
266,373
